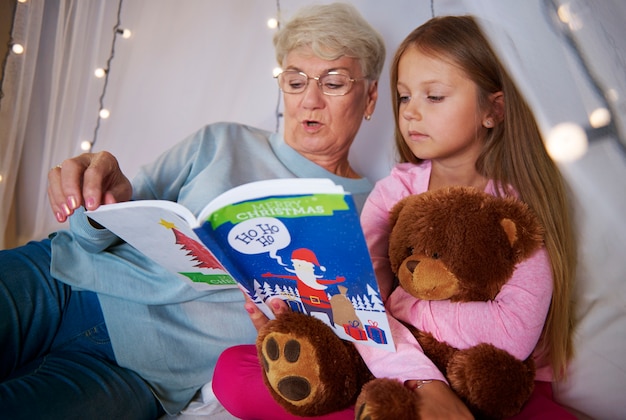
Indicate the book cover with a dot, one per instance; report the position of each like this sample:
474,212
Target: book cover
307,249
299,240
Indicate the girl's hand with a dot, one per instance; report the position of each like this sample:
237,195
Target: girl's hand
258,318
438,401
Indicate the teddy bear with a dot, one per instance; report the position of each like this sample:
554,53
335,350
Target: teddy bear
456,243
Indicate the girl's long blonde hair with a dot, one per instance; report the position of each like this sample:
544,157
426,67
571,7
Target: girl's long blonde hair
513,154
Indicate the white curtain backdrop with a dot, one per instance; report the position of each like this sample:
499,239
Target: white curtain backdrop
17,89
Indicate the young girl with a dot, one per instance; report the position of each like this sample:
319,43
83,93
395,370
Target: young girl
460,120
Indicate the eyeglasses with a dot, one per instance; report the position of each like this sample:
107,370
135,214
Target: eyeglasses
331,83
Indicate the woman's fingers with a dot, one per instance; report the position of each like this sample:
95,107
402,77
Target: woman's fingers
89,179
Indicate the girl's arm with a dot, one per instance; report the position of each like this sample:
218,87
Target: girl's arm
513,321
409,361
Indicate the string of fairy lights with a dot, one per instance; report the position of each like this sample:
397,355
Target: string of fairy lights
100,72
119,31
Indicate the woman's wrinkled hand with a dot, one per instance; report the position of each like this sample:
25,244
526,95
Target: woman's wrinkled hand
258,318
90,179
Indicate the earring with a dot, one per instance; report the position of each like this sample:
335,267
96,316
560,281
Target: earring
368,117
488,123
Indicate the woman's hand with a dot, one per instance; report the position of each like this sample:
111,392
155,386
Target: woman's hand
90,179
438,401
258,318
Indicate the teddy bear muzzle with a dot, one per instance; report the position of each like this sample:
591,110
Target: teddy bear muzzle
427,278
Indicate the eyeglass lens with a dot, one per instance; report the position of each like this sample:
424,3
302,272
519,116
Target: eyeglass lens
333,84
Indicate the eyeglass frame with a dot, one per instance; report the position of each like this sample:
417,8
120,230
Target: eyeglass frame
319,83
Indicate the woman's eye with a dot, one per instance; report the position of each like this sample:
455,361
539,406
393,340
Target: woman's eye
333,86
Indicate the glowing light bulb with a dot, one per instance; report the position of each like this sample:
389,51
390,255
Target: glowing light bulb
564,13
276,71
104,113
126,33
85,145
272,23
1,178
600,117
566,142
17,48
100,72
568,17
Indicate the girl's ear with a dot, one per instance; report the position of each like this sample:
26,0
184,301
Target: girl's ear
497,106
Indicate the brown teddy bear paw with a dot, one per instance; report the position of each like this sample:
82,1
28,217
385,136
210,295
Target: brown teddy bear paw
493,383
386,399
307,368
289,368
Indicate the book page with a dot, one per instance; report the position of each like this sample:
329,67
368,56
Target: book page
161,230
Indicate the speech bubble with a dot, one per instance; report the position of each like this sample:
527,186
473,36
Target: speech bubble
260,235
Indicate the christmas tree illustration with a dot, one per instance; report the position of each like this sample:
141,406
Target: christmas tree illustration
196,251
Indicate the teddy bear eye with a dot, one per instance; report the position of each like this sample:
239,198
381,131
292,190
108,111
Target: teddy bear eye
435,256
410,250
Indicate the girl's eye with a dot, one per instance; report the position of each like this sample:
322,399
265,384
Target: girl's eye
433,98
403,99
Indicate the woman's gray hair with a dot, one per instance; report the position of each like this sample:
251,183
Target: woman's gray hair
333,31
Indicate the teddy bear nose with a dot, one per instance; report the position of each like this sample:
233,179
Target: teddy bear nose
294,388
410,265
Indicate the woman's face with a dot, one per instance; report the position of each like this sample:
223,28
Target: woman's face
439,116
320,127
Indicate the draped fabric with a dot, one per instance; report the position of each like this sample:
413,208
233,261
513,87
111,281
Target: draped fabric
46,105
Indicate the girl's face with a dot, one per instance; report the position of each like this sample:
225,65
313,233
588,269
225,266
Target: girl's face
323,127
439,116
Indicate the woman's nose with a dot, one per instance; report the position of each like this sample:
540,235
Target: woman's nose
312,95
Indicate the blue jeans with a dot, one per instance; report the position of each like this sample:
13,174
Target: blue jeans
56,359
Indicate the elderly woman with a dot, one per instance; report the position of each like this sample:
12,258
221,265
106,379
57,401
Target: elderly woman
89,327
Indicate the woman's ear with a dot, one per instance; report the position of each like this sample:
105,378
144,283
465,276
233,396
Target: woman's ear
372,97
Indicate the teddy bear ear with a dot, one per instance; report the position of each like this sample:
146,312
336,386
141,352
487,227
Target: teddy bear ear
521,226
510,229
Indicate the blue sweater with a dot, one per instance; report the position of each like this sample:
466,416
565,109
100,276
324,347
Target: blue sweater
160,327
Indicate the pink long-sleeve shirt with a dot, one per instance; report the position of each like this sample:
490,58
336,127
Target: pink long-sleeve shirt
513,321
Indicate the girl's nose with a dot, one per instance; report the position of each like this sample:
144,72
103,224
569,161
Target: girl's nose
411,111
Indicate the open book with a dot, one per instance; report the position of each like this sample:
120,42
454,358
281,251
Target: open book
298,239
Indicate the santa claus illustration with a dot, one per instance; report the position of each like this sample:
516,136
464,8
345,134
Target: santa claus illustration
311,287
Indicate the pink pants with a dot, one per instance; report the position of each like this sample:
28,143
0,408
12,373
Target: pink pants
238,385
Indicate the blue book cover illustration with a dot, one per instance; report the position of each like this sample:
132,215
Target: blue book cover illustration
307,249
